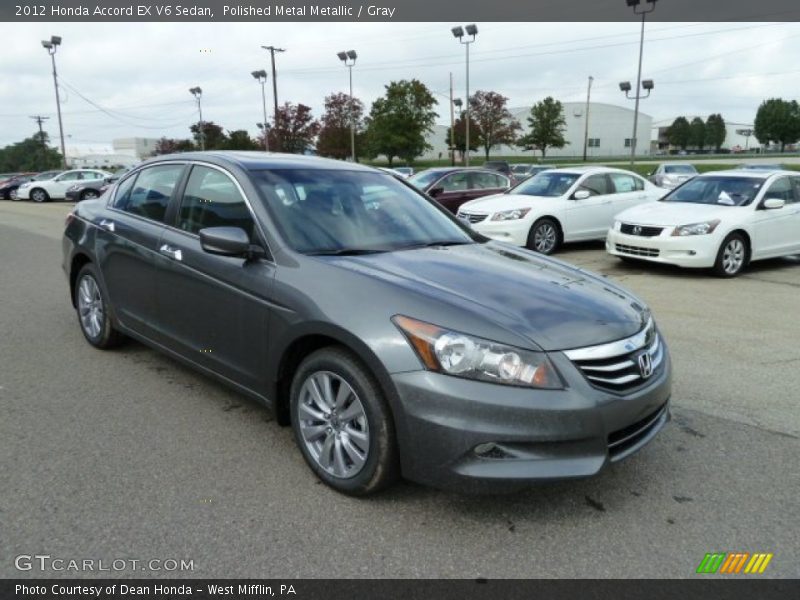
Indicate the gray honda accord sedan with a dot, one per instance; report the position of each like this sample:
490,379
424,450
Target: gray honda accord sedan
392,338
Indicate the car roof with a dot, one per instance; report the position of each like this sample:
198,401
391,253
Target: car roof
581,170
752,173
256,161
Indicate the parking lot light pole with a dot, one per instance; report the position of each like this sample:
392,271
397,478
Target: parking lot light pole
51,46
458,32
198,93
349,59
457,103
638,9
261,77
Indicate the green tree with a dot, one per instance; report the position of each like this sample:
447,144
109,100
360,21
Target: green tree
680,133
547,125
239,139
170,146
214,137
334,135
496,125
460,134
295,127
778,120
697,135
399,121
31,154
716,131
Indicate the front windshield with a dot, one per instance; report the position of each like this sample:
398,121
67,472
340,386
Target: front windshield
547,184
338,212
423,179
680,169
721,190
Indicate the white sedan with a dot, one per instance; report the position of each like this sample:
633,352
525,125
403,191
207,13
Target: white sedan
559,205
721,220
57,186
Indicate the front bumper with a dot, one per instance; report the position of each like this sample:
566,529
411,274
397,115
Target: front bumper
512,232
527,435
693,251
23,193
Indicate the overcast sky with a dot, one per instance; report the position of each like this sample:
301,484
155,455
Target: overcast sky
140,73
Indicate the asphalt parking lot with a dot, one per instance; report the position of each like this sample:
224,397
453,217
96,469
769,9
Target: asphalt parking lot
127,454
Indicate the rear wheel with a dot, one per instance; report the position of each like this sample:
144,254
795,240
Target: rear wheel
732,256
342,423
544,236
93,314
39,195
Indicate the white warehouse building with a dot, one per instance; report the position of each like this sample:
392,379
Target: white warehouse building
610,129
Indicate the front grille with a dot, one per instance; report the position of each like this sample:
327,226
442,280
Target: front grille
640,230
623,365
472,217
637,250
622,440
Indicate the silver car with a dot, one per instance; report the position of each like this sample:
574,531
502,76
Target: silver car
671,175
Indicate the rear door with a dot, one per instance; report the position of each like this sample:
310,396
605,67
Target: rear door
127,243
455,190
628,191
216,308
590,218
59,186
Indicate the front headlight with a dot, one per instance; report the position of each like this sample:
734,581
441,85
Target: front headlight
27,184
617,225
461,355
696,228
510,215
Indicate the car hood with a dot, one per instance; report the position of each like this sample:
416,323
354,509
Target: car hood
553,305
674,214
497,202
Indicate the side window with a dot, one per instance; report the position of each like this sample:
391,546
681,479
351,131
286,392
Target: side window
484,181
596,185
212,199
457,182
122,195
502,182
74,176
150,194
623,183
638,184
782,189
796,183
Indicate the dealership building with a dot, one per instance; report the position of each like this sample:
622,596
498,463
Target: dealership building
738,136
610,128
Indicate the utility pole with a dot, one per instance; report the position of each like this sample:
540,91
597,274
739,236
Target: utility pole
51,46
272,50
452,126
39,120
586,132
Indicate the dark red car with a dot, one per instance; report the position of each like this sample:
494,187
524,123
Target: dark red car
453,186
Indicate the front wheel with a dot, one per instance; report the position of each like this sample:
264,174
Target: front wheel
732,256
93,314
342,423
13,196
89,194
39,195
543,236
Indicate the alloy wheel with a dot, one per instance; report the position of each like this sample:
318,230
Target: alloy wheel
544,238
333,424
38,196
90,307
733,256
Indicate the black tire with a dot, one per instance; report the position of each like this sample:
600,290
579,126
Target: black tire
12,195
89,194
732,257
544,236
380,466
107,336
39,195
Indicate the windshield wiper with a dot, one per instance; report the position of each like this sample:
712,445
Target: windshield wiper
435,244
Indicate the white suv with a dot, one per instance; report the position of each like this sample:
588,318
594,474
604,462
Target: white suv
56,187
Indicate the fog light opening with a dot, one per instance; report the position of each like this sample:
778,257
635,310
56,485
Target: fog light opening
490,450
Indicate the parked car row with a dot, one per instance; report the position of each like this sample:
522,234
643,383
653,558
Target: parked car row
10,182
55,187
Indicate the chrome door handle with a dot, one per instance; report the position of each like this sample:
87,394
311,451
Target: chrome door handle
107,225
173,253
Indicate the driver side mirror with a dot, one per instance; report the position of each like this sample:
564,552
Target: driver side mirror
436,191
225,241
774,203
581,195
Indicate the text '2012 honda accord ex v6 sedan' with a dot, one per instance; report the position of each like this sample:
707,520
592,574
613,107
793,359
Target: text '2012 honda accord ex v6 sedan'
392,338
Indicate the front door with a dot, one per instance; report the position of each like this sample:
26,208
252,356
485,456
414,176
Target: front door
777,230
216,308
589,218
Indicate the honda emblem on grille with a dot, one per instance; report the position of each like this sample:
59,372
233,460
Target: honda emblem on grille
645,365
637,230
